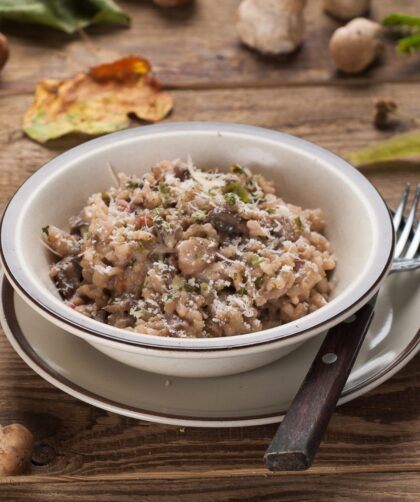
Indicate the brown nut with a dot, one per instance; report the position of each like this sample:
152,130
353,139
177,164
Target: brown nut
16,444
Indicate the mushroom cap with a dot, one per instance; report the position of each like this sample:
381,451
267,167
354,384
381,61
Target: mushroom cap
354,46
16,445
346,9
271,26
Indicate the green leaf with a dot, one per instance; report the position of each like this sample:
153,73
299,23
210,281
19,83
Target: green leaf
65,15
402,146
403,20
409,45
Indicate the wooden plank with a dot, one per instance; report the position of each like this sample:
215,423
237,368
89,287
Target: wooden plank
377,432
197,46
355,488
337,118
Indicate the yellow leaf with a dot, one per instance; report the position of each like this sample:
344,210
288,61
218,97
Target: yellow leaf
96,102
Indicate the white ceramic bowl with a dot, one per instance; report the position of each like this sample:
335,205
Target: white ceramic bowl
358,226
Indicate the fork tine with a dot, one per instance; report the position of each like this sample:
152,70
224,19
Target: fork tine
415,243
400,209
408,224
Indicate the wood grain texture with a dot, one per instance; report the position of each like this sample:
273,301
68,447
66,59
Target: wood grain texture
372,446
334,117
375,487
377,432
198,46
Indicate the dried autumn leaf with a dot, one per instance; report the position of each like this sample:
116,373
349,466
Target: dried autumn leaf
96,102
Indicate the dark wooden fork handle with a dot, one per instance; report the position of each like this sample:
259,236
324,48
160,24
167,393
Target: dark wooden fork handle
298,436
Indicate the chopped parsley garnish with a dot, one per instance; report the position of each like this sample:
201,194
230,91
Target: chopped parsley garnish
231,198
199,215
106,198
236,188
237,169
45,229
258,282
178,282
133,184
164,192
270,210
136,313
188,288
255,260
155,211
204,287
299,224
242,291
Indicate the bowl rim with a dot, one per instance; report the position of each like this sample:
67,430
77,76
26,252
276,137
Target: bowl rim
89,327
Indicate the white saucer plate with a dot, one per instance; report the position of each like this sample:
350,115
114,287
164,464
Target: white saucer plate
257,397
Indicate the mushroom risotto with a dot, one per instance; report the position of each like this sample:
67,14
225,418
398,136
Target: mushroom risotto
183,252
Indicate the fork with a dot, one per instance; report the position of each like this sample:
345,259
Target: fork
298,437
406,261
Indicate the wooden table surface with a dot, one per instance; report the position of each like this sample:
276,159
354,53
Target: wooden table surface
372,448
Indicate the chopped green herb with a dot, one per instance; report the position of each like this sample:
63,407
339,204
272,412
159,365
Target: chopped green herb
242,291
255,260
87,234
178,282
136,313
168,297
237,169
188,288
238,189
45,229
133,184
204,287
159,221
299,224
258,281
231,198
164,192
106,198
271,210
235,276
155,211
199,215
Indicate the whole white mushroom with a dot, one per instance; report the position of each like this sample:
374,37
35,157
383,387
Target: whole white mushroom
354,47
271,26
